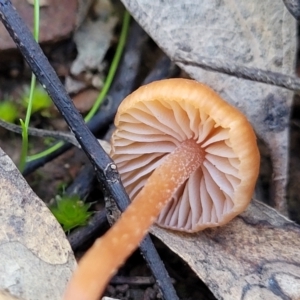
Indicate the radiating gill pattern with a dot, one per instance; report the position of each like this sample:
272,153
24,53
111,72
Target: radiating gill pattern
151,130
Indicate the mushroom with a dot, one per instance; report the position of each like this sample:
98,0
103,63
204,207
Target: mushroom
188,159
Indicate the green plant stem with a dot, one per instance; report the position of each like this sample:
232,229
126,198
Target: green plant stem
112,69
36,26
104,90
25,124
45,152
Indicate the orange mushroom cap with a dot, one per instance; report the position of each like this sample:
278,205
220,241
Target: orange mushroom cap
155,119
177,143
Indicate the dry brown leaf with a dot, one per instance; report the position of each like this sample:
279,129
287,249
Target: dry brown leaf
256,256
36,258
254,33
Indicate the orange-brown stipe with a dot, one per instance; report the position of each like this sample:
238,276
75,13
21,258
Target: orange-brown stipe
110,251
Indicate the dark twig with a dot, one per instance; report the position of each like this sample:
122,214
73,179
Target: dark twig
58,135
83,183
253,74
293,7
81,186
89,232
104,166
164,68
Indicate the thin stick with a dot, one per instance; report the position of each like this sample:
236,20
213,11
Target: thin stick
58,135
253,74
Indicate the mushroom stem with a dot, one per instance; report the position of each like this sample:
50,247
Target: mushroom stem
110,251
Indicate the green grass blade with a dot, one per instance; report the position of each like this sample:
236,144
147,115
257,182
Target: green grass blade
25,124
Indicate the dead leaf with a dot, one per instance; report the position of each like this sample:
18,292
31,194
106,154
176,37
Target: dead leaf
36,258
93,38
255,256
254,33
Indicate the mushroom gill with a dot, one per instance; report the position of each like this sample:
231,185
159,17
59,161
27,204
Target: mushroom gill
156,120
